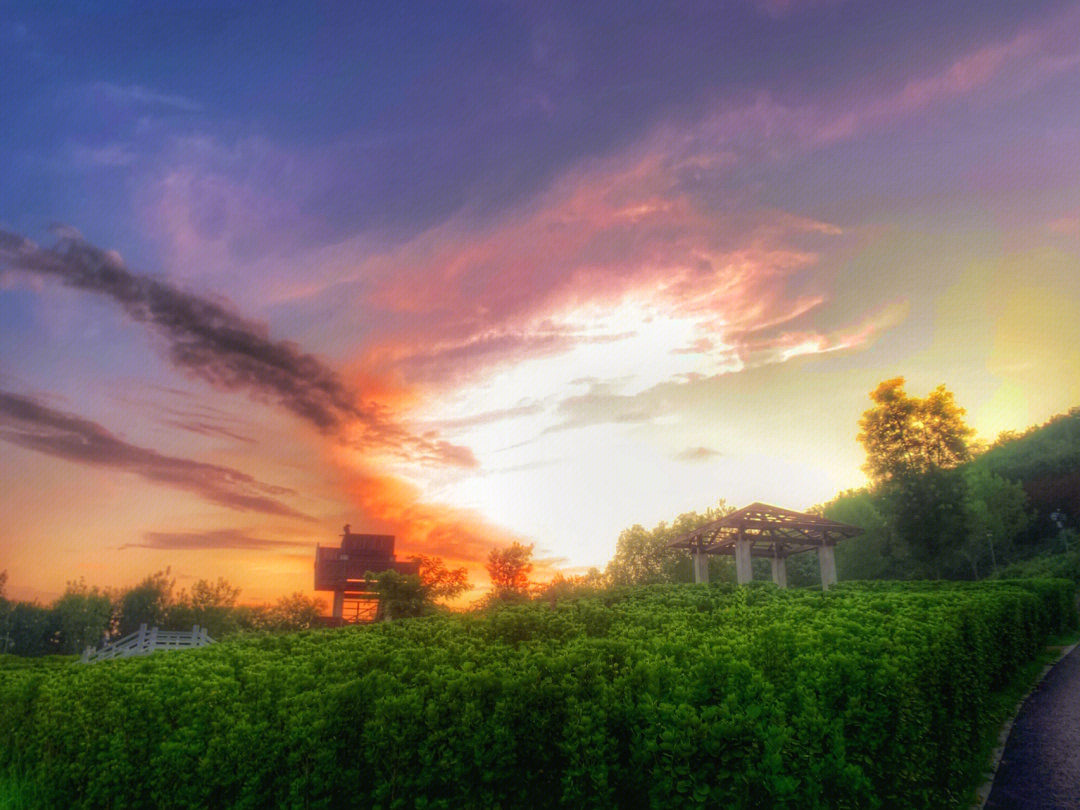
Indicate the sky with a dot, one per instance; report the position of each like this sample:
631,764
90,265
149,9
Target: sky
481,272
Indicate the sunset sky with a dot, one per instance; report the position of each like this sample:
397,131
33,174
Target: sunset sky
477,272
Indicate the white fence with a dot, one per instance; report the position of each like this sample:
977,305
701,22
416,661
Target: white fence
147,641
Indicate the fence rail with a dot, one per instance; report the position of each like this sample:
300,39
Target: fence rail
146,641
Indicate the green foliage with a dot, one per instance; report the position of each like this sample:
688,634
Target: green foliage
874,554
84,614
1049,449
29,629
147,603
210,605
912,447
1047,566
642,556
401,596
994,513
665,696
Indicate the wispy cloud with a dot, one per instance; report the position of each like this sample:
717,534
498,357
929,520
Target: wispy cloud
27,422
214,540
136,95
211,342
696,454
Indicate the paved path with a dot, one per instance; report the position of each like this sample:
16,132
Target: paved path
1040,768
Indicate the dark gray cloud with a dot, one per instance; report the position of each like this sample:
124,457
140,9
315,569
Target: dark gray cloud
209,341
214,540
28,423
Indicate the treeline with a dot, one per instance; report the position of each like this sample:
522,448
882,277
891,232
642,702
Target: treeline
86,615
965,512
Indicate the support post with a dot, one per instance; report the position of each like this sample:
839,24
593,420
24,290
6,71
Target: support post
701,566
744,568
827,561
779,571
339,604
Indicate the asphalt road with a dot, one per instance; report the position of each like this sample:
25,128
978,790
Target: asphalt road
1040,768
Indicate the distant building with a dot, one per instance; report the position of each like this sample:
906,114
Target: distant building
344,571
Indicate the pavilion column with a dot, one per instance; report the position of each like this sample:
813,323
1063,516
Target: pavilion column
779,571
744,569
701,566
827,561
339,604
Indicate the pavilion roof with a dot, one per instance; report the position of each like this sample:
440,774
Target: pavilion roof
771,531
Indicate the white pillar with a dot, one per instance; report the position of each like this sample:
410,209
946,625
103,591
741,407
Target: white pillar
827,561
701,566
339,604
744,568
779,571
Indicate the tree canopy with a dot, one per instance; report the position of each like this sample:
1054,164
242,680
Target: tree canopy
904,435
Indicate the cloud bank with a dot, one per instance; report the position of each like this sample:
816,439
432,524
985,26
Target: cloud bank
211,342
28,423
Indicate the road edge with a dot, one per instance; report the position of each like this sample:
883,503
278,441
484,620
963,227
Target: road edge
982,794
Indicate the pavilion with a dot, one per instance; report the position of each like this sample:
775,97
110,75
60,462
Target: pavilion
760,530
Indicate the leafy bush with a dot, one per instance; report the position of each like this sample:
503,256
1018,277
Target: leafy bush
662,696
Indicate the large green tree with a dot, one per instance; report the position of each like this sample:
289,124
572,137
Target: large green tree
904,435
913,447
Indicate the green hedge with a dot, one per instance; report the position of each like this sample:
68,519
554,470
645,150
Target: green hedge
665,696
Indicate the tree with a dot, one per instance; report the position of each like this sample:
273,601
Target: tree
994,512
509,569
642,556
31,630
913,447
84,615
401,596
870,555
211,605
147,603
439,581
296,612
404,596
573,586
904,436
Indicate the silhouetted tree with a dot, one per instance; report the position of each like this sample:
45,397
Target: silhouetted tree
509,569
439,581
147,603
